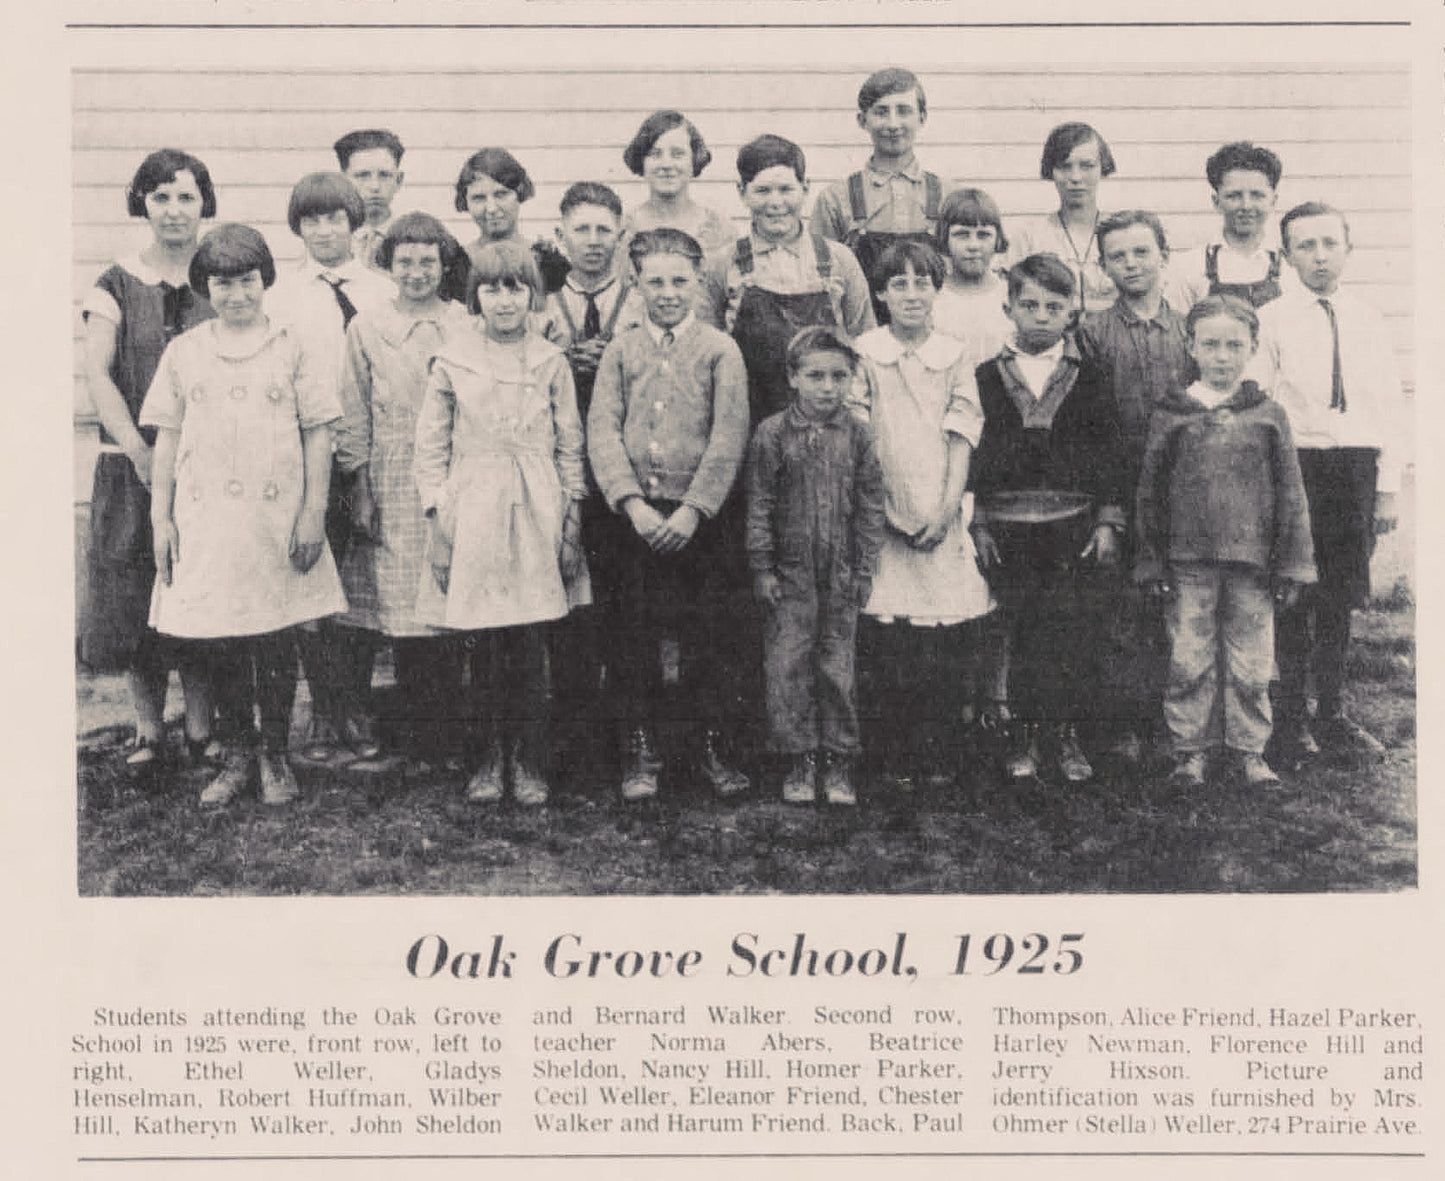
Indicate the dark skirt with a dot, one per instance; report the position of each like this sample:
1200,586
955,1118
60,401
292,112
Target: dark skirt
120,570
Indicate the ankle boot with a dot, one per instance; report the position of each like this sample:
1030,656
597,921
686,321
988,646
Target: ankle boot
640,766
722,779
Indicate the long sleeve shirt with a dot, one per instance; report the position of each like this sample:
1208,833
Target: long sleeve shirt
669,422
1296,358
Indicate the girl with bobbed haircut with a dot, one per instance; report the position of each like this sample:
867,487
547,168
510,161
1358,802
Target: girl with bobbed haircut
969,207
1075,159
320,193
1061,142
668,152
160,168
422,229
896,260
502,167
971,238
505,264
229,250
653,128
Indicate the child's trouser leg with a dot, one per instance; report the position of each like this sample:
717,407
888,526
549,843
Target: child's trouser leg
274,659
836,690
1247,627
525,711
1191,696
790,635
319,663
488,693
429,678
355,654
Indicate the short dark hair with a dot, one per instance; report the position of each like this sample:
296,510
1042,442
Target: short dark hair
969,207
653,128
228,250
665,240
1047,270
893,80
897,258
501,166
364,141
320,193
1243,156
1063,139
819,338
769,151
425,230
160,168
1131,217
587,192
1310,209
1223,305
509,264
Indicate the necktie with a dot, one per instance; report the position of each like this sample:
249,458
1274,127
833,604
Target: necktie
348,309
667,339
1337,381
592,317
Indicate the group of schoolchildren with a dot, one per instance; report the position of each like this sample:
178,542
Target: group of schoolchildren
636,481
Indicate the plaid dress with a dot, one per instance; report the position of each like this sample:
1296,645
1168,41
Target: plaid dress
383,379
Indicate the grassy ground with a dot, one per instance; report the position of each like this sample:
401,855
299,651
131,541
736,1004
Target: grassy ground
1330,828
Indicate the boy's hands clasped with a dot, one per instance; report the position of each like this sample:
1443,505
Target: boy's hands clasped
664,535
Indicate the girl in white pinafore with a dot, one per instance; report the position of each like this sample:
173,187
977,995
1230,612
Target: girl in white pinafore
917,661
499,465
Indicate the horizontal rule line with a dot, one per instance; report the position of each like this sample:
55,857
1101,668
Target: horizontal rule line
392,27
726,1156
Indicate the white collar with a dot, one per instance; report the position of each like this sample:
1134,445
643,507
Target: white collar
936,351
677,329
352,268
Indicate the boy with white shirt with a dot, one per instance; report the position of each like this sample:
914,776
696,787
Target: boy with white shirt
1245,183
371,160
1327,360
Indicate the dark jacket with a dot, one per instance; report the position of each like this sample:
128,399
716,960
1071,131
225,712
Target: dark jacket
815,500
1068,441
1223,485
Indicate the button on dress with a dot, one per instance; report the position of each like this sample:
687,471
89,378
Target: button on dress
240,477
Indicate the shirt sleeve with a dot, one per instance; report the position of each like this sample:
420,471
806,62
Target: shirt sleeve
1293,550
100,302
962,414
1394,409
353,435
762,484
165,401
606,418
830,219
870,507
433,458
1151,504
731,419
713,300
570,451
857,302
317,400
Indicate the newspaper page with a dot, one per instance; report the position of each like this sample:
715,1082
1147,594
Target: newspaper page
1025,930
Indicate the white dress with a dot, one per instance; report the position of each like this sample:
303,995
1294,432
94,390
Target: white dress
917,397
499,455
975,316
240,477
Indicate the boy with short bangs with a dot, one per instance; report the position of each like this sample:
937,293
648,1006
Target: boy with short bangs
815,524
1244,179
781,279
666,434
1049,426
593,304
371,160
1138,346
1327,360
1223,536
892,196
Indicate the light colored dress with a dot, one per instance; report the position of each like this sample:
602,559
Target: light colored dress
1094,290
918,396
240,478
975,316
712,231
499,454
383,379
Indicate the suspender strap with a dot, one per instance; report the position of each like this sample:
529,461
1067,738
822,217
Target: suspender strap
567,315
743,256
1211,264
1273,266
824,257
856,205
933,201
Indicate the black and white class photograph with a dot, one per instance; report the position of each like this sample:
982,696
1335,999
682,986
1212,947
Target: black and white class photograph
857,464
